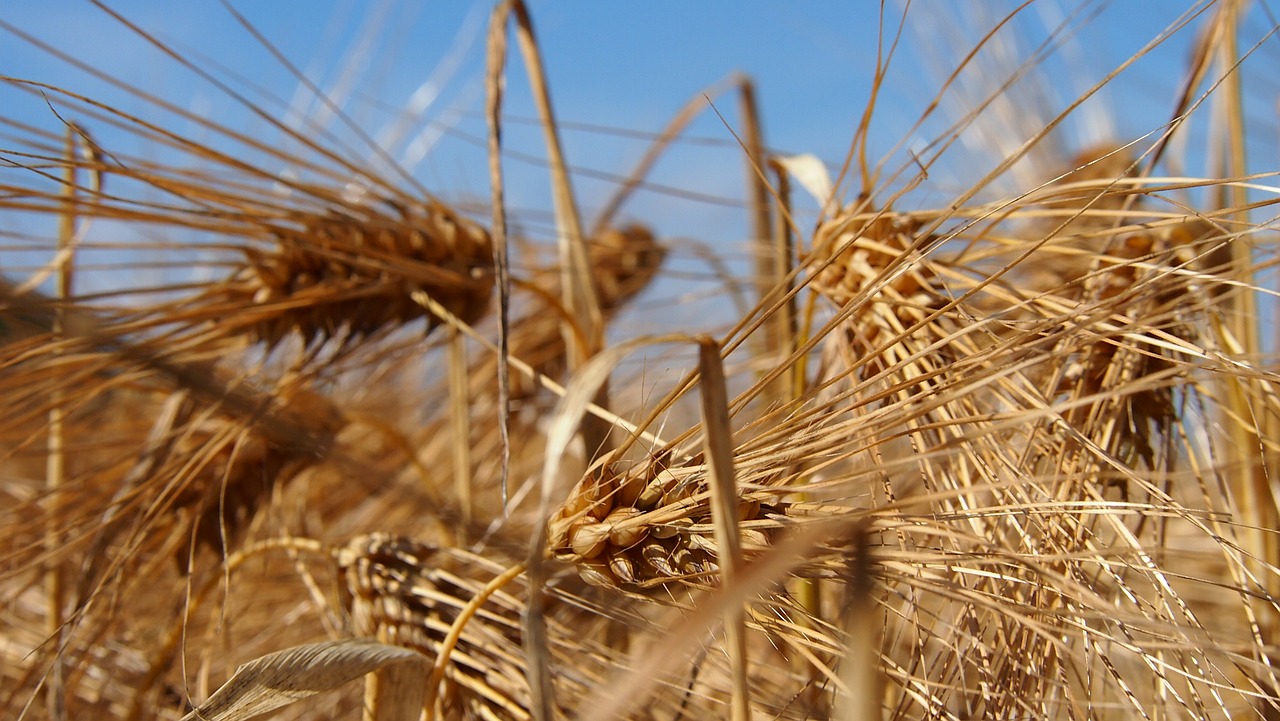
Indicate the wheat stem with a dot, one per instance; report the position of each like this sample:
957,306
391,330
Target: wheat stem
55,472
460,417
717,437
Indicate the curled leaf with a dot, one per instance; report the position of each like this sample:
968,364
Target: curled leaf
811,173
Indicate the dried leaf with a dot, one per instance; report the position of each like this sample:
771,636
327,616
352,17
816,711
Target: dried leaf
278,679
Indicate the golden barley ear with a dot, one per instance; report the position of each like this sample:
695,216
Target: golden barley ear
623,263
465,616
353,273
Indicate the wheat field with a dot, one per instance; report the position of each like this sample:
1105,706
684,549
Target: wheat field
976,418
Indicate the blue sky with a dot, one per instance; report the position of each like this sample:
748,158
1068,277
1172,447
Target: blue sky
627,66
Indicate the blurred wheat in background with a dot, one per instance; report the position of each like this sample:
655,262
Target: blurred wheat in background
976,419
